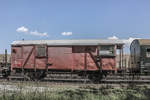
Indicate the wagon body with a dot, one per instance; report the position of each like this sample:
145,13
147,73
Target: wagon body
64,55
140,55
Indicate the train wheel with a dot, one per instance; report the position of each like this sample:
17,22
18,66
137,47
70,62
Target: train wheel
96,77
35,76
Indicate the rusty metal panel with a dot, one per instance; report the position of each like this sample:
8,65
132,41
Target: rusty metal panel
40,63
17,52
35,61
30,60
61,58
108,63
79,62
90,63
16,57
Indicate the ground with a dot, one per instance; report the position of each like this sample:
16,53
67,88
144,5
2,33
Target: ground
68,91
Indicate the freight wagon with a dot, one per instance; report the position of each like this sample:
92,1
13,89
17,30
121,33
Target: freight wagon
140,56
36,58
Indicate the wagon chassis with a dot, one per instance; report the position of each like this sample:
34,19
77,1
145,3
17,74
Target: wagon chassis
74,78
82,77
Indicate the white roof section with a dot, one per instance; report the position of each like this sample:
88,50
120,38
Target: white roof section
90,42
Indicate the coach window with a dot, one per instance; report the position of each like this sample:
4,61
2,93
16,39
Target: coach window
40,51
148,52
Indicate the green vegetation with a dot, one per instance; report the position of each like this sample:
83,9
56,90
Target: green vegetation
84,92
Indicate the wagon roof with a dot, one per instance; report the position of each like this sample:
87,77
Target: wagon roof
144,41
70,42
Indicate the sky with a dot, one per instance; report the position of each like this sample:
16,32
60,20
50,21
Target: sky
73,19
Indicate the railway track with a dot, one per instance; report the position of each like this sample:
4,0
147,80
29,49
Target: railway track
74,79
101,81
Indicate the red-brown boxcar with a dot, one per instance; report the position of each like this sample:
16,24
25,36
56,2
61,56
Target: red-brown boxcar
64,55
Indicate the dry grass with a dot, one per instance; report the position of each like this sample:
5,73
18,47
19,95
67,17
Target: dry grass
2,57
46,91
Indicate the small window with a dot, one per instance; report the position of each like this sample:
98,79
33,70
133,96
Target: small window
106,50
148,52
40,51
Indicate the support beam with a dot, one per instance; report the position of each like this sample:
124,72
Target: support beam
85,66
95,61
46,59
85,62
5,57
120,59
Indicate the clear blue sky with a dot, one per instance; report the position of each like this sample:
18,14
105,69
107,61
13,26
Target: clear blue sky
84,18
